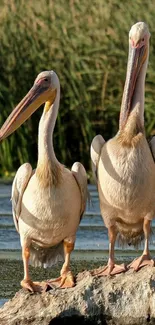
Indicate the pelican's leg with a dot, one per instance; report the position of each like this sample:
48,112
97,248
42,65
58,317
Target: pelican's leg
145,258
66,279
27,283
111,267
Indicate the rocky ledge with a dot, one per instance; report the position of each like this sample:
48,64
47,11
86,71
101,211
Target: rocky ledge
127,298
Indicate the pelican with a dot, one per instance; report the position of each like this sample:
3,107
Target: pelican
124,166
48,202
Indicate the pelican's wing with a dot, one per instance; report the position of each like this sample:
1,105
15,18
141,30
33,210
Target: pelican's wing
95,151
18,187
152,146
81,177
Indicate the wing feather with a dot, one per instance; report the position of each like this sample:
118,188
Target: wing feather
152,146
81,177
19,185
95,151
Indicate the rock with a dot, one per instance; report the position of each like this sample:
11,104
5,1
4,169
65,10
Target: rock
127,298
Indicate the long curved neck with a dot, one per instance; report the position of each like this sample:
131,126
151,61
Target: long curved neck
48,167
135,120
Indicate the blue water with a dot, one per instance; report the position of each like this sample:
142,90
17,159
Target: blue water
2,302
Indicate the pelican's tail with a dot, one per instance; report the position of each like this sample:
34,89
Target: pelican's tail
130,235
124,240
46,257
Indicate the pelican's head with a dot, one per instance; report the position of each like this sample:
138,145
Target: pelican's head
138,52
44,90
48,80
137,60
139,35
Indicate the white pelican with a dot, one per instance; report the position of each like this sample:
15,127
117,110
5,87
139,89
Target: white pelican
124,166
48,202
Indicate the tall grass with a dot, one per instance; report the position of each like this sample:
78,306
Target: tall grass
86,43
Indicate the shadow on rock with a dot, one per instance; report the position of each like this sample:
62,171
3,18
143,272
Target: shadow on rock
76,319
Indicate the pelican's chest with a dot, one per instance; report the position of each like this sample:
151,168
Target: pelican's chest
51,208
125,172
42,204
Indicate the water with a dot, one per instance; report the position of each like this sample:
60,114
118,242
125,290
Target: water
2,302
91,242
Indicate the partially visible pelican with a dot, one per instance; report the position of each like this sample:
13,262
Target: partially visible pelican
124,166
48,202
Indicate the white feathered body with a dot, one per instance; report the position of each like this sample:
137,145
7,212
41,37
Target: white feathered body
126,178
51,214
45,213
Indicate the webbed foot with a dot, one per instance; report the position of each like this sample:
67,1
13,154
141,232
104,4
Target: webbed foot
33,286
141,261
66,280
110,270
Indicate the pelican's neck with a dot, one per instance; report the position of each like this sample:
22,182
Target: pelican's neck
48,165
135,120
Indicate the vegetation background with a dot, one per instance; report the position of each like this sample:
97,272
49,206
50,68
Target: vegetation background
86,43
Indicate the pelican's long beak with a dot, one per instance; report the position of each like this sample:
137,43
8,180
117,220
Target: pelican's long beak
137,56
23,110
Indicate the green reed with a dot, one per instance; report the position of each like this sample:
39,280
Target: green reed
86,43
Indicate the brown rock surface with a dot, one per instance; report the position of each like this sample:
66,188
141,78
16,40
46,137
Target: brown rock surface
124,299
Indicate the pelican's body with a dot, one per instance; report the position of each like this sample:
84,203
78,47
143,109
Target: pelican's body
127,192
46,215
48,202
124,166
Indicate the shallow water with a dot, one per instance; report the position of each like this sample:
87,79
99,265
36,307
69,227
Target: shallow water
2,302
91,243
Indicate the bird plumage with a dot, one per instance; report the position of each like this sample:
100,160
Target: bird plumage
124,165
48,202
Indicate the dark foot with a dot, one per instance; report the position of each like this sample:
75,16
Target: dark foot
66,280
110,270
140,262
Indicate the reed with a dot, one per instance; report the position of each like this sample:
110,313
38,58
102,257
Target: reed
86,43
